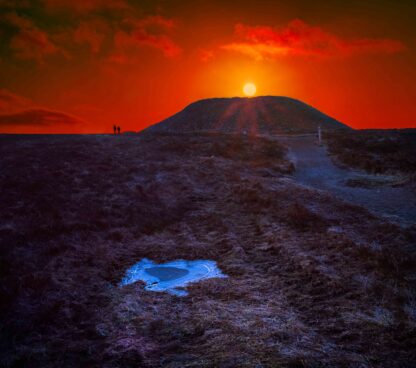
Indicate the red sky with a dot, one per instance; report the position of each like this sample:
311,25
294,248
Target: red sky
70,66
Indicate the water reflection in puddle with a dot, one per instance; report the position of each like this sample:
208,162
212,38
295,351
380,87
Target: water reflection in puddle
172,275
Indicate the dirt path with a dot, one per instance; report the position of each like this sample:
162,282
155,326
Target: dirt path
315,168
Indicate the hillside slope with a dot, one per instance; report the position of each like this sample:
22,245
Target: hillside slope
258,115
312,281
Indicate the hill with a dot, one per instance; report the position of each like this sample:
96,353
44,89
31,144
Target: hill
258,115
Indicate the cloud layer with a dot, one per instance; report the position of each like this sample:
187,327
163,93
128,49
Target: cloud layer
16,110
85,6
301,39
11,103
118,32
30,42
152,31
38,117
117,38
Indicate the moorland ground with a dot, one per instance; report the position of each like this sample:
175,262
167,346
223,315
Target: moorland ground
376,151
313,281
391,193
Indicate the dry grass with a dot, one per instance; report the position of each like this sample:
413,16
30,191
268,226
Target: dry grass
376,151
312,281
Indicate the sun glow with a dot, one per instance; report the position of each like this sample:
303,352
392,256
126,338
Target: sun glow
249,89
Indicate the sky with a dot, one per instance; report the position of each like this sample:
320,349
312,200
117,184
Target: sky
69,66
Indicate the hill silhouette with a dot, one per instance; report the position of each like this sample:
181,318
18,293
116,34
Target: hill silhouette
258,115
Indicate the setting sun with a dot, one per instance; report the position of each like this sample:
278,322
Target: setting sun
249,89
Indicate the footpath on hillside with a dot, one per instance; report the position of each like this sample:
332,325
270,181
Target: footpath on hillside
315,168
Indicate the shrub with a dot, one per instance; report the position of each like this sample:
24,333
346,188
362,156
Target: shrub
301,218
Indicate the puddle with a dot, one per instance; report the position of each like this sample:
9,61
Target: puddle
170,276
166,273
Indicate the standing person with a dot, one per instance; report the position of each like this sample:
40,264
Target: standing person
118,130
115,129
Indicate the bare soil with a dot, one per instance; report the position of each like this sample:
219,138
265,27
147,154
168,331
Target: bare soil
313,281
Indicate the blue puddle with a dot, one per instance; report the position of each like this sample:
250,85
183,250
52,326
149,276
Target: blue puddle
170,276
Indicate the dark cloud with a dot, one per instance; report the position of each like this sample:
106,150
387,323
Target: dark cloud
85,6
38,117
11,103
92,33
17,110
112,30
152,31
300,38
30,42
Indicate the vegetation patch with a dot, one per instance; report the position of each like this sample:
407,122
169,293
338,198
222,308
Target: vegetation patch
313,281
391,152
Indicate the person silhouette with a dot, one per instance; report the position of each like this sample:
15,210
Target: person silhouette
118,130
115,129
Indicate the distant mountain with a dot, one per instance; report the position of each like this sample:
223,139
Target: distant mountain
257,115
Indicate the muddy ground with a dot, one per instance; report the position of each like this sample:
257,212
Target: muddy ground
313,281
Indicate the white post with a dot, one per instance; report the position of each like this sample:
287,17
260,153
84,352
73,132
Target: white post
319,135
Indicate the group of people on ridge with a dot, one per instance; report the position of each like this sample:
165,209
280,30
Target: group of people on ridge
116,129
